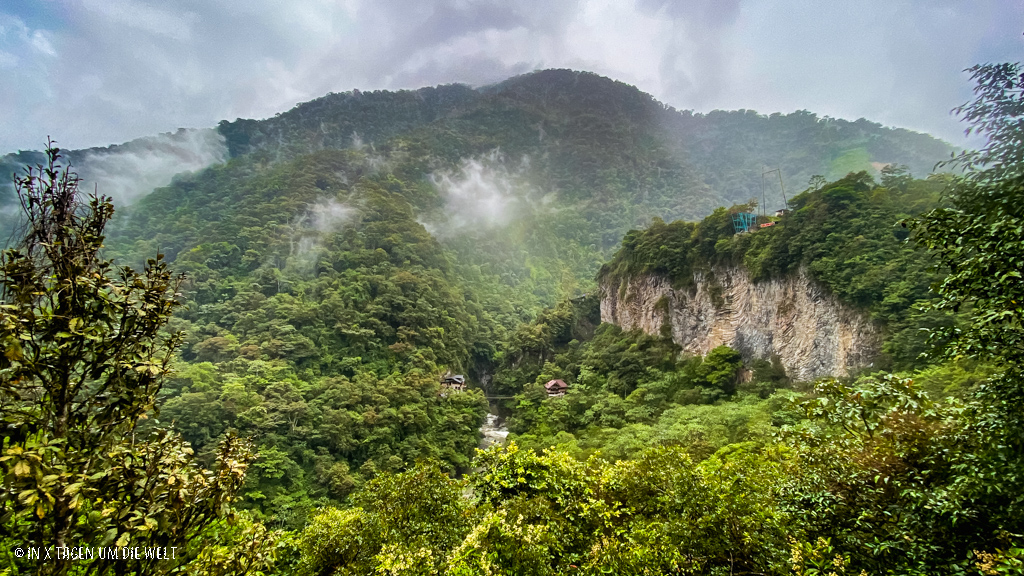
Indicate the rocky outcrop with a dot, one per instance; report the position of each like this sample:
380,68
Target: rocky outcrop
793,317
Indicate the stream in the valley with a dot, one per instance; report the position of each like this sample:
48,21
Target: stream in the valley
493,428
494,431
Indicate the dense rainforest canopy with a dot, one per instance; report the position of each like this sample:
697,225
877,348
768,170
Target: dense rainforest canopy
278,409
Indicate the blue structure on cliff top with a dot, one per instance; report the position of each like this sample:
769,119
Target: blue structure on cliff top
743,221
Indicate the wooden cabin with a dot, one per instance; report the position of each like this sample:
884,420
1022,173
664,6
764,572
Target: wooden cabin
556,388
452,383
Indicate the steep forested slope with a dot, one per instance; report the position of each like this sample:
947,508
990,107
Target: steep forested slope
847,235
319,316
328,289
352,249
599,142
628,389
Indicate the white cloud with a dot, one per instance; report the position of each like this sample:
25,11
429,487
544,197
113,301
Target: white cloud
126,173
483,194
149,19
327,216
310,229
41,43
111,70
8,60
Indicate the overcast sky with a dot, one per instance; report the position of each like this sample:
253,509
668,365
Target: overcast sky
97,72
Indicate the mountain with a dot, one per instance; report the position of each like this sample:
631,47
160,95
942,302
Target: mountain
614,153
369,275
344,254
698,333
591,137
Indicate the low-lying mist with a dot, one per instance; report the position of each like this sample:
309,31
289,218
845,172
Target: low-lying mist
324,217
129,171
483,193
133,170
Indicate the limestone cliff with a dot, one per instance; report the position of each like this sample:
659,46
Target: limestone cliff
793,317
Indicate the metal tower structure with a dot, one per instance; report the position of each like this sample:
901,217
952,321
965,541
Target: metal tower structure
785,201
743,221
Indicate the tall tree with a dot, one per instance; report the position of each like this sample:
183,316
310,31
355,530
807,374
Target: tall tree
980,238
85,355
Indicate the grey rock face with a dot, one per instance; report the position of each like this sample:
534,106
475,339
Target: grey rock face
794,317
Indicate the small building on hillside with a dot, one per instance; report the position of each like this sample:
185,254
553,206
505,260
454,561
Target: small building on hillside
452,383
556,388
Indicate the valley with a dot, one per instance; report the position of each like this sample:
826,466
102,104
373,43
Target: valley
764,401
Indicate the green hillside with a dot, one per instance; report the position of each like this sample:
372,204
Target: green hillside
350,252
628,390
369,241
369,236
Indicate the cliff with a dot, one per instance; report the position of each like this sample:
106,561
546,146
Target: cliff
794,317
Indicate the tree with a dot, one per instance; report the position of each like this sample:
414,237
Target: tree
85,355
720,369
896,177
980,238
816,182
402,524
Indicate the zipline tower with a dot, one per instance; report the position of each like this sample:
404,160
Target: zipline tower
765,184
751,221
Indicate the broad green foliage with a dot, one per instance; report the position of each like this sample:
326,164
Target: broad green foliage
882,469
402,524
533,514
697,518
242,546
322,439
84,359
980,238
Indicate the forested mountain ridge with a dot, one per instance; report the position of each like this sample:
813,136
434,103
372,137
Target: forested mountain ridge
343,120
722,147
366,242
612,153
352,251
587,126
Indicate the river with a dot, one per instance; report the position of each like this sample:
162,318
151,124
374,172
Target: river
494,431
